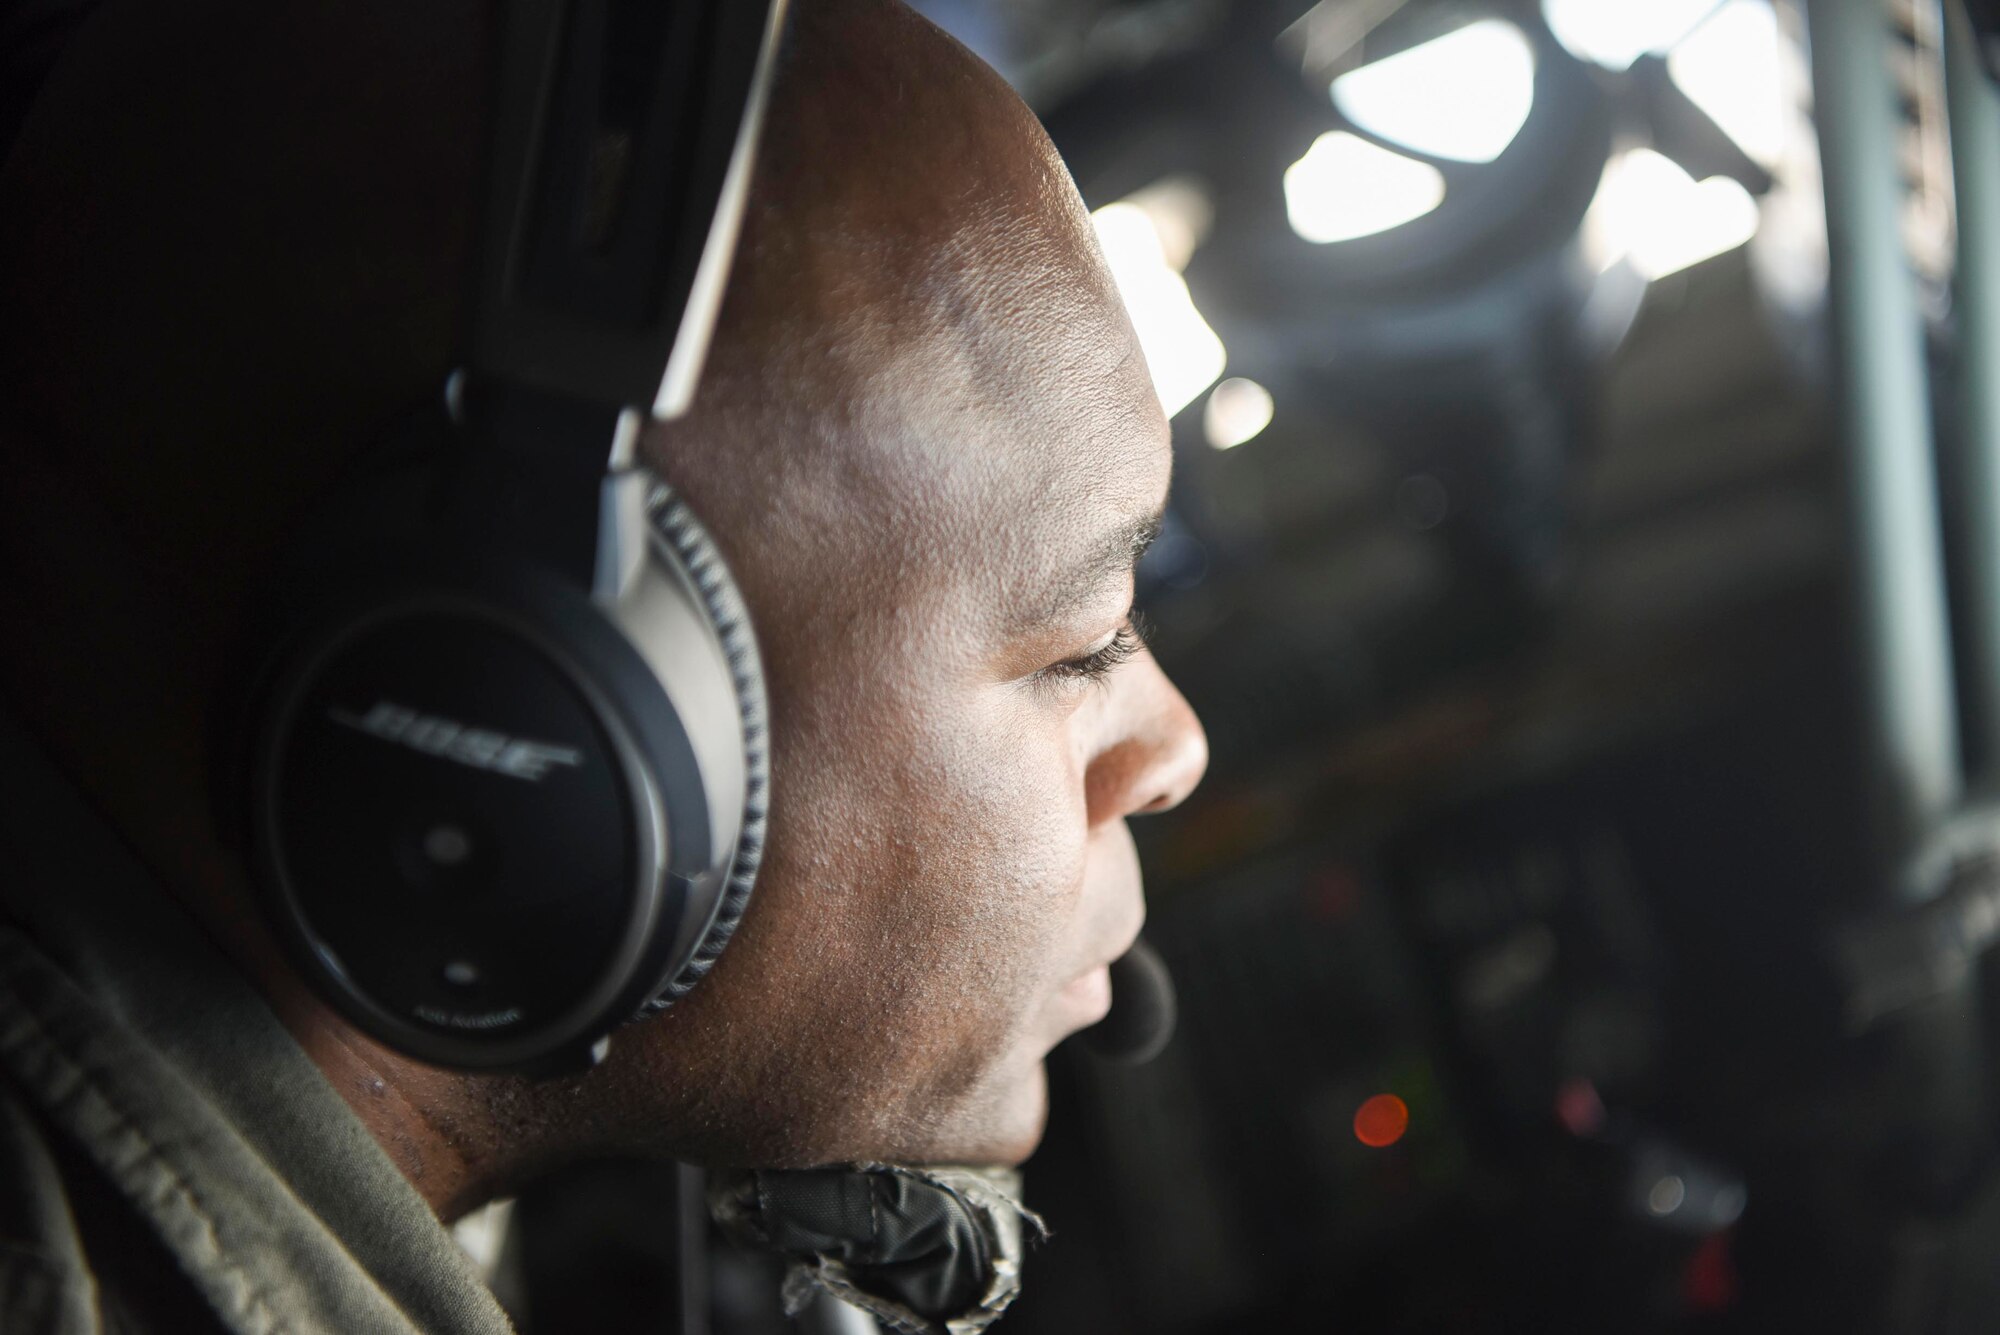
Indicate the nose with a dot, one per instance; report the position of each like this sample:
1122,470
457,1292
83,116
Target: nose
1155,752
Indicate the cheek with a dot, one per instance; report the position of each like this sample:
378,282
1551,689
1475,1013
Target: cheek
959,856
938,870
1010,810
985,864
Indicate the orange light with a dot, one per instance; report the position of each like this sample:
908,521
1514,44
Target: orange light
1381,1121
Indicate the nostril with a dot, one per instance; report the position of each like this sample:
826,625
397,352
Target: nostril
1180,765
1151,768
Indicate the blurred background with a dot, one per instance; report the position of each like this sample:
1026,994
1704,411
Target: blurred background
1583,555
1513,570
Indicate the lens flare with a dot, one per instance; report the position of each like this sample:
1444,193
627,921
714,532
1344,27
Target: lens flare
1381,1121
1238,409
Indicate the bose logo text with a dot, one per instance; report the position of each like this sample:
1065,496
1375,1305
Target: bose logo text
447,739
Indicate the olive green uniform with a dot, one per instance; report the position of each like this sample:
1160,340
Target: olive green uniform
170,1160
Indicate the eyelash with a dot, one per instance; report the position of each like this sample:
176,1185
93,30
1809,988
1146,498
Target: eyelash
1100,663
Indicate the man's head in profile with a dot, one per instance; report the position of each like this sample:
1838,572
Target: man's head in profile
233,245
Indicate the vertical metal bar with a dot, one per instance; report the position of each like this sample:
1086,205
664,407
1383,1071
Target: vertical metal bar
1926,1136
692,1250
1975,169
1886,425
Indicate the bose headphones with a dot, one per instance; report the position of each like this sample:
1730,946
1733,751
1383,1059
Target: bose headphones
506,763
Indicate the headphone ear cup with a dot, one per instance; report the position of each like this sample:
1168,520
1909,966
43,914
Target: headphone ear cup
455,827
496,817
682,539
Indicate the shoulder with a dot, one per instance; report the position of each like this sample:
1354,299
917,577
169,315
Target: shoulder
73,1259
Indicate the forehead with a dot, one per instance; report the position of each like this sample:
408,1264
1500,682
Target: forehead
956,391
1014,440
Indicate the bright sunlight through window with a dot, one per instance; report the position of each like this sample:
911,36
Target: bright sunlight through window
1463,96
1731,67
1182,352
1651,213
1614,33
1346,187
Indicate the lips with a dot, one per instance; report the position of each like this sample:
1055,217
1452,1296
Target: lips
1085,999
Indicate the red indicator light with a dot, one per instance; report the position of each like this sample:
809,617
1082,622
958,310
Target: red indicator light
1579,1108
1709,1283
1381,1121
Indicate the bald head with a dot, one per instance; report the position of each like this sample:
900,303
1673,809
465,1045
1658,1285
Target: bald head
918,312
233,239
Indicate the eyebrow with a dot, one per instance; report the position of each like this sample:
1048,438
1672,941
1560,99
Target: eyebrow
1116,554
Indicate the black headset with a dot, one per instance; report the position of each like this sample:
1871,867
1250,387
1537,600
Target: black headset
506,763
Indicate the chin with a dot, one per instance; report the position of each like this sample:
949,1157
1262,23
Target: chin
1022,1116
1000,1125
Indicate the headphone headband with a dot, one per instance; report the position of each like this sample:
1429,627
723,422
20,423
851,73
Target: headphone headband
622,140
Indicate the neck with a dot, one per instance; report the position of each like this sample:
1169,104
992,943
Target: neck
435,1125
428,1121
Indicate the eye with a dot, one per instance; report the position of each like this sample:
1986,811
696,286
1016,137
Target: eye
1100,662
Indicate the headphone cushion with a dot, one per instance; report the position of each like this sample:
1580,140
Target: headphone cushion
676,526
